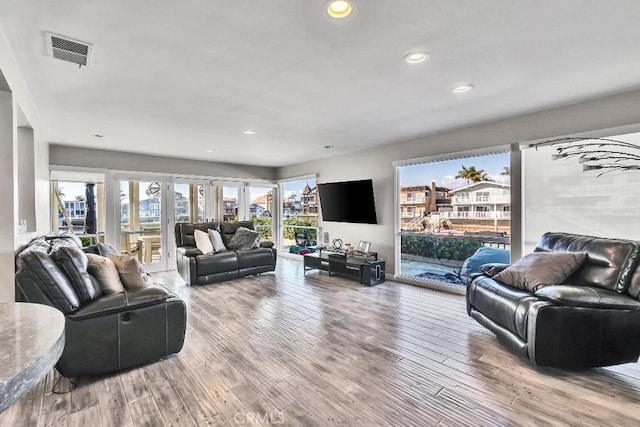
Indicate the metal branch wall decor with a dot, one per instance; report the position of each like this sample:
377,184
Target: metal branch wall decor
603,154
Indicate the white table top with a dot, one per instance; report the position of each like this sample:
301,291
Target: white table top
31,342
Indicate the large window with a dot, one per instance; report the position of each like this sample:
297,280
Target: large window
78,206
188,202
261,209
299,212
463,205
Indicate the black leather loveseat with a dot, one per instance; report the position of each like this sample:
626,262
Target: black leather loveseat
592,319
197,268
103,332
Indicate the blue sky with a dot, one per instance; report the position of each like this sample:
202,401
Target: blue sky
297,186
444,172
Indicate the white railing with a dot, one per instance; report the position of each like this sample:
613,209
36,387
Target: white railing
476,215
413,200
481,199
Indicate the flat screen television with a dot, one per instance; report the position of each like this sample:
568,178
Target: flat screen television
348,201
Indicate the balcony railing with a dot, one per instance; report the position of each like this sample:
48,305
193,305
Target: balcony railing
413,200
476,215
481,199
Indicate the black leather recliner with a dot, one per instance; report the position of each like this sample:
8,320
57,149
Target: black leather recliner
197,268
103,333
591,320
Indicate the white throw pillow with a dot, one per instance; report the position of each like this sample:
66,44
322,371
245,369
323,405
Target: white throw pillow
203,242
216,240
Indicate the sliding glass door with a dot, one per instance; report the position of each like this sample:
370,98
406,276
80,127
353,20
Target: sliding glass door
141,219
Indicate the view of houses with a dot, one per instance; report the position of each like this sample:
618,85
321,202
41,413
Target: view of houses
481,206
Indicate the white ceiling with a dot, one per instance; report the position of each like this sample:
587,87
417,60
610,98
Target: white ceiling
175,78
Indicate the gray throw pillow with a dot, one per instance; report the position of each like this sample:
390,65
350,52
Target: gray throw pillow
539,269
131,272
244,239
105,273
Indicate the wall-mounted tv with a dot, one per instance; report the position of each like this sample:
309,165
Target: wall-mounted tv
348,201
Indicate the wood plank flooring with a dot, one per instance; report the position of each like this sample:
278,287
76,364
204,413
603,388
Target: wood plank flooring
294,350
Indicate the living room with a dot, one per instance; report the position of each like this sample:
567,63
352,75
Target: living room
601,103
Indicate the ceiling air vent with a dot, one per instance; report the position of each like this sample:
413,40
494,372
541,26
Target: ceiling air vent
68,49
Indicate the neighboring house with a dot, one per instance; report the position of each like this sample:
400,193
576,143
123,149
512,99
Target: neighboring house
75,211
257,210
261,205
309,201
230,207
483,200
418,200
181,206
150,210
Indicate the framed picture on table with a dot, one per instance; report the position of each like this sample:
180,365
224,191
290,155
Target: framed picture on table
363,246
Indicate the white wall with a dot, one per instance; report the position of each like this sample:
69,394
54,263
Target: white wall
61,155
17,110
560,196
607,112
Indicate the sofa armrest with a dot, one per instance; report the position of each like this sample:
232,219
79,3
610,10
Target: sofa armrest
587,296
122,301
189,251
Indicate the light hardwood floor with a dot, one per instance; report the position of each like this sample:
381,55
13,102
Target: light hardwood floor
285,349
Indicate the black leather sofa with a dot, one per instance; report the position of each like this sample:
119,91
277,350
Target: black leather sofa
103,333
197,268
591,320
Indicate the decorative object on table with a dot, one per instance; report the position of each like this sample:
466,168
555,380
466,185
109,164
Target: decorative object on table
603,154
364,246
337,243
348,248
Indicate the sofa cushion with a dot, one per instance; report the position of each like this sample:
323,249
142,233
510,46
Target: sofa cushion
244,239
538,269
216,240
203,241
255,258
216,263
131,272
609,264
106,274
228,229
100,249
54,283
587,296
492,268
184,231
74,263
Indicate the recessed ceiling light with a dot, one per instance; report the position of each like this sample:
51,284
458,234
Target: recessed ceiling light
208,150
416,57
339,9
462,88
249,132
